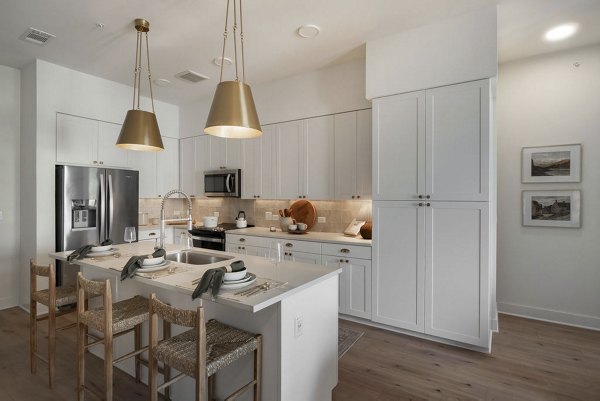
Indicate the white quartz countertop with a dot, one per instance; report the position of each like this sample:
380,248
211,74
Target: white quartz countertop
288,278
310,236
150,227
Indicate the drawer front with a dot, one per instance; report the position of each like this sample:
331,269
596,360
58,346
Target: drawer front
299,246
148,234
234,239
347,251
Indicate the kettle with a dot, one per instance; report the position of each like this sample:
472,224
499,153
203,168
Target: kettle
240,221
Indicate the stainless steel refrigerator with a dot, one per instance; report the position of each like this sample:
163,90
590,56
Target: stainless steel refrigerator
92,205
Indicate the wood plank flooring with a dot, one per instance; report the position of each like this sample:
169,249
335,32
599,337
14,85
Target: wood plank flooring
531,360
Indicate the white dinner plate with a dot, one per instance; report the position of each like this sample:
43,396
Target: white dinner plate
242,280
234,286
153,261
110,252
102,248
155,268
235,276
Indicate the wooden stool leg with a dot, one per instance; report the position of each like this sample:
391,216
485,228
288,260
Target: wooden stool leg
167,368
51,342
211,387
33,335
108,366
81,341
258,369
137,333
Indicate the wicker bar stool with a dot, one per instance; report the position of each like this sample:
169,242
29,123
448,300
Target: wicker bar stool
200,352
53,298
112,320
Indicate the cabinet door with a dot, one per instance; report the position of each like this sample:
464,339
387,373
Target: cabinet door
267,177
201,162
76,140
251,170
145,163
364,153
398,257
317,162
304,257
108,153
257,251
458,142
346,156
218,152
233,153
456,283
289,150
333,261
167,165
399,147
358,287
186,166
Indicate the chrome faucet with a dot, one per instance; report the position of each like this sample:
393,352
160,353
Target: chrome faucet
162,214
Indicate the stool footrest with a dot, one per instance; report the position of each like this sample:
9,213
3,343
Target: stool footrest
173,380
130,354
240,391
41,357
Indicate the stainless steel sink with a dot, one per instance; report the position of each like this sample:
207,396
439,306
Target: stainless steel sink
194,258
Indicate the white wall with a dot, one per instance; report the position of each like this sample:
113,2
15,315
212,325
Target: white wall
454,50
549,273
329,90
10,103
59,89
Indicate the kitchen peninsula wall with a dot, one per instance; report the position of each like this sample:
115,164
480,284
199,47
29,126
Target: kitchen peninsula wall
338,214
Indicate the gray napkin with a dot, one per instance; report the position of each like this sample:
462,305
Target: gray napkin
82,252
213,278
135,262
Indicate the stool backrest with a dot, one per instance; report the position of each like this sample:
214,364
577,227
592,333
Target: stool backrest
92,288
179,317
43,271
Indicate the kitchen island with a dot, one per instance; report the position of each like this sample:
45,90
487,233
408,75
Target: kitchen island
297,318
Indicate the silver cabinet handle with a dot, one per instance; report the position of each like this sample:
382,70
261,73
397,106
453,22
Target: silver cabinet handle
345,250
151,234
289,245
242,239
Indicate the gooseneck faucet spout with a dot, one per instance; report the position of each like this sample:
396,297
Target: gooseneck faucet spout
162,214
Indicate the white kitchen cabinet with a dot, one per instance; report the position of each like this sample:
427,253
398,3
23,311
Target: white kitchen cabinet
457,272
187,166
317,164
248,250
355,285
86,141
201,162
399,264
353,154
167,166
289,149
225,153
258,168
153,234
303,257
145,163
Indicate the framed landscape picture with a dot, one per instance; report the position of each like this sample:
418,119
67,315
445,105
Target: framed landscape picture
552,208
552,164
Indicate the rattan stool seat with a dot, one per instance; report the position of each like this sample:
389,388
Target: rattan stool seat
126,315
64,296
224,345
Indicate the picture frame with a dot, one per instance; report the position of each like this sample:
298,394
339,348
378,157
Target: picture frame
552,209
560,163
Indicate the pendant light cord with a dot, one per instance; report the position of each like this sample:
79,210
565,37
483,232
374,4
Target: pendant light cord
235,20
242,42
224,41
139,67
149,73
135,70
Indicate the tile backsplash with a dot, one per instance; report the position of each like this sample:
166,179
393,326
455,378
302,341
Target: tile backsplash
338,214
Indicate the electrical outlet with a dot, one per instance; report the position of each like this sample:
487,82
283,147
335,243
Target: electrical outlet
298,326
216,214
268,215
1,215
322,219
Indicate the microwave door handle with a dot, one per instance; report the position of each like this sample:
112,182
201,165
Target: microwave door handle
100,221
227,183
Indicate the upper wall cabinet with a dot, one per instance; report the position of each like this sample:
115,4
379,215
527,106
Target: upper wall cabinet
258,169
145,163
442,136
86,141
167,166
353,155
225,153
187,166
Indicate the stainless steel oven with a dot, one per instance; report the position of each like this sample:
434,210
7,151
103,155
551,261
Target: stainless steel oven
223,183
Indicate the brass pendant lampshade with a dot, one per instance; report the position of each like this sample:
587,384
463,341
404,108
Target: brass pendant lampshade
140,128
233,113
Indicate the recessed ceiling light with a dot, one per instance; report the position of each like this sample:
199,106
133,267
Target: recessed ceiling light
560,32
217,61
308,31
162,82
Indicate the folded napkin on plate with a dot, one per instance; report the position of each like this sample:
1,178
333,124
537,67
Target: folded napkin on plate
81,253
214,278
135,262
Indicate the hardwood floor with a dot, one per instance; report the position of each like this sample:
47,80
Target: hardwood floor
531,360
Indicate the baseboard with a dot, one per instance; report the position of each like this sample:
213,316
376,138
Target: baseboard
8,302
549,315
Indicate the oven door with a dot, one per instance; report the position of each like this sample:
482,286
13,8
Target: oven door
200,241
222,183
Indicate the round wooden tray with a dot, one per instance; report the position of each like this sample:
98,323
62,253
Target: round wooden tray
298,232
304,212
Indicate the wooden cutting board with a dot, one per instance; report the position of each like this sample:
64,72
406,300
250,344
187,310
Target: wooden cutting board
304,212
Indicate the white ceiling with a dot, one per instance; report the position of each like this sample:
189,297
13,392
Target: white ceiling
187,34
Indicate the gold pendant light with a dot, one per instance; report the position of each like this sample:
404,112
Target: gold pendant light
233,113
140,129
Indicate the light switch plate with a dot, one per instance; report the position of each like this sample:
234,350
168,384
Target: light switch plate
268,215
216,214
322,219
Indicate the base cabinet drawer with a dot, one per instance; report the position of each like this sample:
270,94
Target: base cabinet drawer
248,250
347,251
248,240
302,257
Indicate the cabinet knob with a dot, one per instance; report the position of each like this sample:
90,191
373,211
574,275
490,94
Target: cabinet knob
428,204
347,261
289,245
258,196
420,204
341,260
357,196
420,196
428,196
353,196
101,162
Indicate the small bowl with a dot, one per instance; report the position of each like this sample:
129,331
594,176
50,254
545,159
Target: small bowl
232,276
293,227
101,248
153,261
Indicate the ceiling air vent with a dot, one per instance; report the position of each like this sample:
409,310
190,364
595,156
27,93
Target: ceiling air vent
191,76
36,36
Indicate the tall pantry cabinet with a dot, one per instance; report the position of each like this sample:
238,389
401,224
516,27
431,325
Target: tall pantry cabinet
433,192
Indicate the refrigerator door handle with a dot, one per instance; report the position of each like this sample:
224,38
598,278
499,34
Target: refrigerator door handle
110,206
100,212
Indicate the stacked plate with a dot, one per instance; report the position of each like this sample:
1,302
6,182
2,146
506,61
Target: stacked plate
106,250
153,265
239,279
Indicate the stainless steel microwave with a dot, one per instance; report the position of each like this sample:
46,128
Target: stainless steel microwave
223,183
